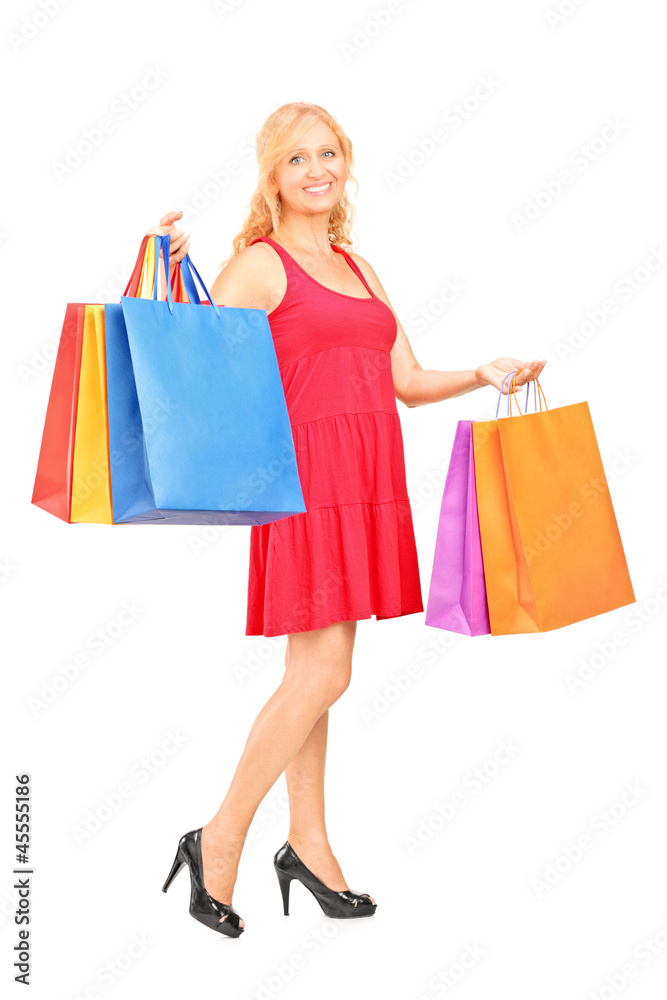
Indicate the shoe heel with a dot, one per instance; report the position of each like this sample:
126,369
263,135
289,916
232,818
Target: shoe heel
284,879
333,903
175,869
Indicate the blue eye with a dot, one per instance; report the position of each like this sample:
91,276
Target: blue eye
300,157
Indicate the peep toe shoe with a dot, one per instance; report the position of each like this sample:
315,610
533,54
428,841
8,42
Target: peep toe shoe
346,903
202,906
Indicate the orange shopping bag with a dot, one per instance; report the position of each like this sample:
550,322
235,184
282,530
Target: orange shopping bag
550,541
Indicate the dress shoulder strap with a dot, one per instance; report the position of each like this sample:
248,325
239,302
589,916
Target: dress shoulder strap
276,246
355,267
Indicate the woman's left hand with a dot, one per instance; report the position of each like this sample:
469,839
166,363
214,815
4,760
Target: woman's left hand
496,371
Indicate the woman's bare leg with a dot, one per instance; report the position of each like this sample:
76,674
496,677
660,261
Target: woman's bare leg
318,673
305,787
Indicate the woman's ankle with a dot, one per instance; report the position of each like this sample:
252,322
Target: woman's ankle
308,838
221,838
222,825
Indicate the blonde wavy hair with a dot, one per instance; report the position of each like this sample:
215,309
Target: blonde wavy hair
281,132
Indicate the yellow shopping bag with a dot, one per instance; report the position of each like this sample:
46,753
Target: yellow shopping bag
91,478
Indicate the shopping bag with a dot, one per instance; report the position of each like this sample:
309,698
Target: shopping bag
457,595
72,479
550,540
52,488
198,425
72,476
91,481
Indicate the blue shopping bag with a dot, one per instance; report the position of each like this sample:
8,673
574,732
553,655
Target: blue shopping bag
199,431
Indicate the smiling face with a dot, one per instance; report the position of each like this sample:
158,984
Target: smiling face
311,177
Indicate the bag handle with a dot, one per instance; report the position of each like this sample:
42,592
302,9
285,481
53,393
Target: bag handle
187,280
188,271
177,288
512,394
131,287
135,282
146,270
500,393
164,242
536,387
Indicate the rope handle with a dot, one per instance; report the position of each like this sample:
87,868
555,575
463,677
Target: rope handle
512,394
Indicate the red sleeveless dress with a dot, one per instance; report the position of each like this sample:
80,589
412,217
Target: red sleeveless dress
352,554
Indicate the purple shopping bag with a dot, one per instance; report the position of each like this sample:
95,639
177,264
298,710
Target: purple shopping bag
457,593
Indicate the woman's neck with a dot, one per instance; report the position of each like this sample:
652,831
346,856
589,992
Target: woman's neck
307,242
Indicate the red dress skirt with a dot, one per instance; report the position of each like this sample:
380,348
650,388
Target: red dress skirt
352,554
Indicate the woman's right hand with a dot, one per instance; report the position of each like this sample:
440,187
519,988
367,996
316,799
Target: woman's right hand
179,242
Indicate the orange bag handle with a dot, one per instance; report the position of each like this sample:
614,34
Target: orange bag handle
147,272
538,398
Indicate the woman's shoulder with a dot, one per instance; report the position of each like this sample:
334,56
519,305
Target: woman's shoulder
254,256
249,279
356,257
366,269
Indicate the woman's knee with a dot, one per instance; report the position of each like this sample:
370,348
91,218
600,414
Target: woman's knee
321,661
336,684
320,683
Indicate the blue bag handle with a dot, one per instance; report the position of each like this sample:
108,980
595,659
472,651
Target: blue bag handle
189,282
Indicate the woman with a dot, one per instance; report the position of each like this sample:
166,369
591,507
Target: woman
344,359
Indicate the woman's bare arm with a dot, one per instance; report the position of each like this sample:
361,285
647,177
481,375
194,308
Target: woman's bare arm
416,386
251,280
254,279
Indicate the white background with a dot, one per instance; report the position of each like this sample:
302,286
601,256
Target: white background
185,666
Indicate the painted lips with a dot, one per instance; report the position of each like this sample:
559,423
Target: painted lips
318,188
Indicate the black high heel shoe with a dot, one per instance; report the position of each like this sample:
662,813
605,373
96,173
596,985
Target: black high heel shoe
202,906
346,903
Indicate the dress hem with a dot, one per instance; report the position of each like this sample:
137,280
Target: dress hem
330,620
